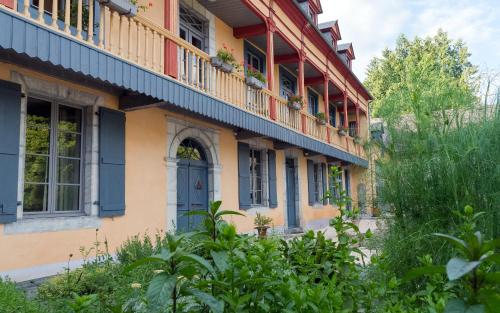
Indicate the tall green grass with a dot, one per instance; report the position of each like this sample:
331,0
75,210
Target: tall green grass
435,166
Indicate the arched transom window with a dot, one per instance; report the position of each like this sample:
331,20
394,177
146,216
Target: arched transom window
191,149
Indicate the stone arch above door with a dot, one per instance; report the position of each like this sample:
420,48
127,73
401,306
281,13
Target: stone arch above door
177,131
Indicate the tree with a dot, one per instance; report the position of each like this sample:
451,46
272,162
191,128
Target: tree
418,77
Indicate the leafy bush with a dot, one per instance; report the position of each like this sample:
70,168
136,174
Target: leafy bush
433,171
14,300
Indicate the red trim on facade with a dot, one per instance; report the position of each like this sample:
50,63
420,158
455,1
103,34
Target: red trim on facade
170,67
299,19
286,58
326,100
249,31
314,80
8,3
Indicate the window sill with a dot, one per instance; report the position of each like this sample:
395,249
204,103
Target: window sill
35,224
258,209
319,205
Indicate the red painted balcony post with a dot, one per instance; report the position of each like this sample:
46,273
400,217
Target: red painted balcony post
346,117
326,98
8,3
272,107
302,58
271,28
326,102
304,123
357,119
170,67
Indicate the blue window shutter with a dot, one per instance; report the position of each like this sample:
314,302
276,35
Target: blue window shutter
244,175
10,118
273,193
111,163
324,175
310,181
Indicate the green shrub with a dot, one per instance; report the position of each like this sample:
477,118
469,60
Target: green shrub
432,172
13,300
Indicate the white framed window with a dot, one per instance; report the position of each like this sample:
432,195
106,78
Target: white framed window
53,164
332,181
318,182
256,174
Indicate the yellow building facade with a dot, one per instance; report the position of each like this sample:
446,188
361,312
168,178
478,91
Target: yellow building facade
123,121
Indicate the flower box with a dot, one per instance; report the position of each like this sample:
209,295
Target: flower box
123,7
342,132
295,105
320,121
221,65
254,82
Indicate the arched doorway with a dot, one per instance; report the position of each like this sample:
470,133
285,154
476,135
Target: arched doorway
192,183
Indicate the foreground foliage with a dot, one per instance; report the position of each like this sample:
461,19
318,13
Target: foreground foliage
217,270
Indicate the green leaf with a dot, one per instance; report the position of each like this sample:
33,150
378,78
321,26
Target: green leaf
221,213
458,243
161,287
204,213
215,305
457,268
493,257
492,277
220,259
424,270
147,260
455,306
197,259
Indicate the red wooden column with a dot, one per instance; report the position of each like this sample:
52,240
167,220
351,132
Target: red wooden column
357,119
8,3
271,28
170,67
326,102
302,58
346,121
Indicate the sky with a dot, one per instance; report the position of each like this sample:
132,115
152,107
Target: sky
373,25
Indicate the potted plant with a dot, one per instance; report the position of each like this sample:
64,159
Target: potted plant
123,7
357,140
262,223
254,78
295,102
342,131
321,118
224,60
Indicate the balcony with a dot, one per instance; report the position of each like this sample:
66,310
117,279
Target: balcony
139,41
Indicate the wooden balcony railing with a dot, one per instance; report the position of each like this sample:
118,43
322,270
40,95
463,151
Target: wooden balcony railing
287,116
140,41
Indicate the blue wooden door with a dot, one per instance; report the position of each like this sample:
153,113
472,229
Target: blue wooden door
290,194
192,193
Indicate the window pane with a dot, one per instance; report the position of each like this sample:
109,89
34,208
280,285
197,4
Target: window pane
36,169
69,145
35,197
38,126
68,171
70,119
258,197
67,198
37,140
38,113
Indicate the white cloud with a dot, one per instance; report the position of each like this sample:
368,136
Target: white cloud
374,25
